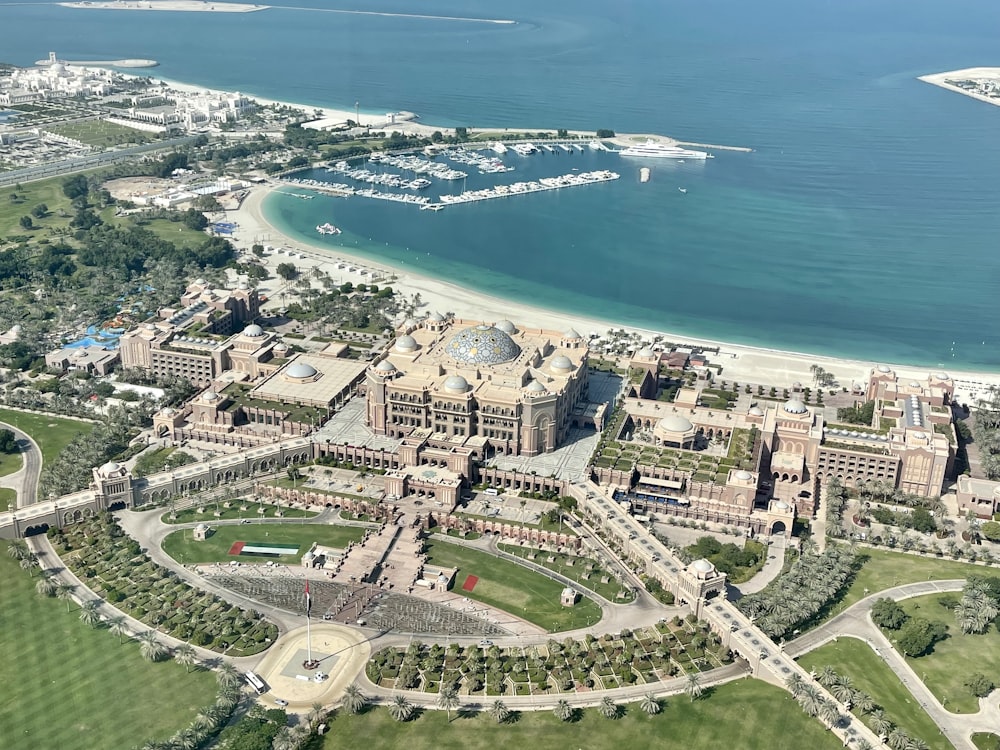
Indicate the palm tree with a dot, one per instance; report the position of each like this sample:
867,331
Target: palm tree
810,699
829,712
693,687
650,704
400,708
29,562
18,549
879,722
119,626
186,655
897,739
562,710
448,700
843,689
354,699
609,709
500,711
65,592
46,586
862,702
863,744
795,684
89,612
227,675
827,676
915,743
150,646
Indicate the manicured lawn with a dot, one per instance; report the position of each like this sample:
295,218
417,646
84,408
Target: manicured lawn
30,195
68,685
956,657
576,571
986,741
513,588
100,133
51,433
747,715
885,569
181,545
172,231
854,658
7,497
10,463
227,514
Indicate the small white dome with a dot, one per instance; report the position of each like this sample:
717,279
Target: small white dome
884,368
942,376
782,505
110,467
435,317
168,412
506,326
456,384
535,387
210,396
703,566
794,406
645,353
406,343
674,423
281,347
572,333
385,366
756,411
253,331
201,527
743,475
300,370
562,362
914,384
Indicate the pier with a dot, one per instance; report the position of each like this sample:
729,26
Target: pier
716,146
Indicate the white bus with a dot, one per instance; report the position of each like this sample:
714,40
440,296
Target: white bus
255,682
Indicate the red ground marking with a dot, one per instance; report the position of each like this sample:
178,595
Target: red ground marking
236,548
470,583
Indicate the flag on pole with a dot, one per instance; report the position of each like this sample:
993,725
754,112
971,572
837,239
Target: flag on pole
308,598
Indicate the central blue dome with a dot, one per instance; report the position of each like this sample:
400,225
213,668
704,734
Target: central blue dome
482,345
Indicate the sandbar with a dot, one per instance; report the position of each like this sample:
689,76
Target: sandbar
740,363
186,6
966,74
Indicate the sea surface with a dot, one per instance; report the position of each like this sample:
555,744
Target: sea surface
864,223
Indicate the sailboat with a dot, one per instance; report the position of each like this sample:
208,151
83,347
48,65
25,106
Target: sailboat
683,190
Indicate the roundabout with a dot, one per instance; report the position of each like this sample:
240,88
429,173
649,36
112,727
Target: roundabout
338,654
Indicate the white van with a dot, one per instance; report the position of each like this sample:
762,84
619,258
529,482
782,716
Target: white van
492,491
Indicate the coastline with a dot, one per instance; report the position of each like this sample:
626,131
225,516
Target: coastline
940,80
740,363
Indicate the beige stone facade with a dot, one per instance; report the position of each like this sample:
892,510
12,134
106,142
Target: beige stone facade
519,389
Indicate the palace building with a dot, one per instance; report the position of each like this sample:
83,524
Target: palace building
519,390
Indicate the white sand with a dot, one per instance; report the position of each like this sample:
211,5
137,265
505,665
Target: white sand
740,363
966,74
168,5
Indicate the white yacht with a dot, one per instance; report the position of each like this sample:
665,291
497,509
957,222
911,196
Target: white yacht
499,147
663,151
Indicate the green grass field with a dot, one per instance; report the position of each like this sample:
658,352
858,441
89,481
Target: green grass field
67,685
513,588
100,133
7,497
30,195
986,741
181,545
854,658
745,715
51,433
253,511
172,231
10,463
954,658
885,569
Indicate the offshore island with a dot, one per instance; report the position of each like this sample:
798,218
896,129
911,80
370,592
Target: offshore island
979,83
330,483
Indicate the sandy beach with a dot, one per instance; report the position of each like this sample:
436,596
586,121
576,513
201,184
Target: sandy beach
188,6
967,74
740,363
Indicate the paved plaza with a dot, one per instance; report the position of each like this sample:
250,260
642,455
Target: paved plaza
348,426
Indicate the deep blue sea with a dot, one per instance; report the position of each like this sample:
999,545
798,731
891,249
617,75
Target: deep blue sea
864,223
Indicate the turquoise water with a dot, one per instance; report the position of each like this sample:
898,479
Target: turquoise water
863,224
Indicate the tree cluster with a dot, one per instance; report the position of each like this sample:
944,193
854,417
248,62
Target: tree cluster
986,433
800,594
728,557
8,443
861,415
980,604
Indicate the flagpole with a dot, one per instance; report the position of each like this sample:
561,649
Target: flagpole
309,657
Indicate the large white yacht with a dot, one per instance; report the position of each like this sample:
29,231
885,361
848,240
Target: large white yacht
663,151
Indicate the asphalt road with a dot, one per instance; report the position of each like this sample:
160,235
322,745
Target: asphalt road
25,481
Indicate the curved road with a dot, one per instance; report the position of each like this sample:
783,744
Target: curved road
855,622
25,480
